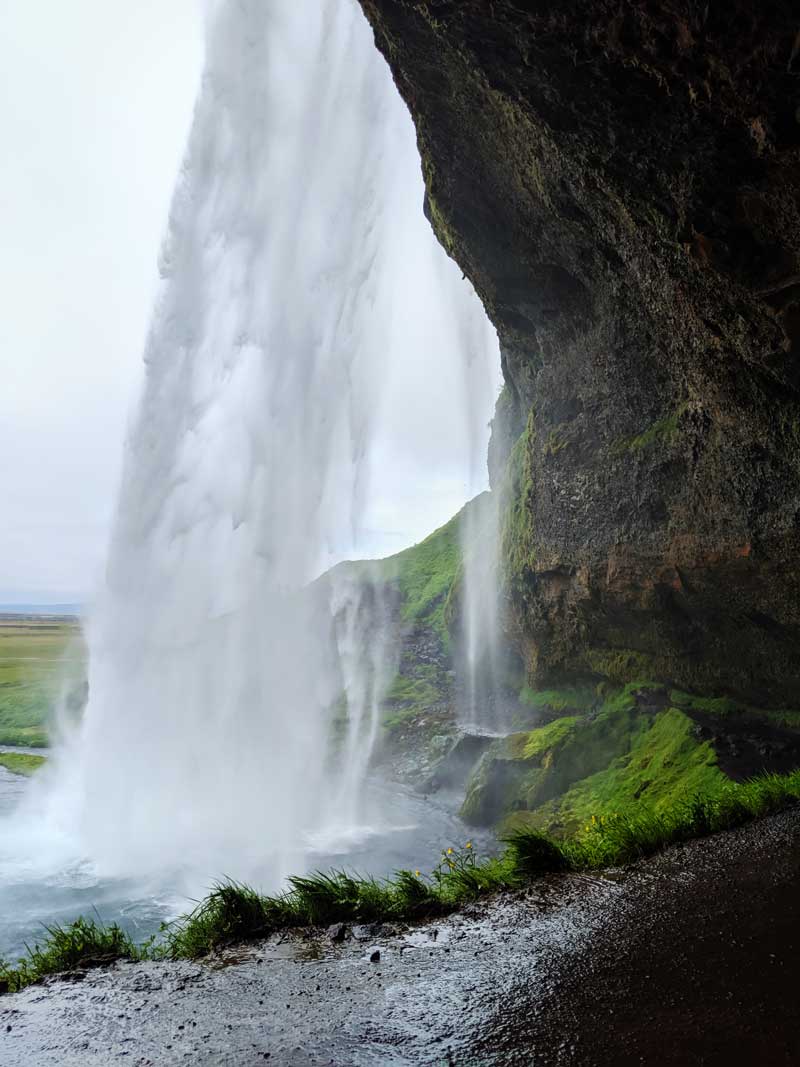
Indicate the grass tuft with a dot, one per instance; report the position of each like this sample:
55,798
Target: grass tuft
231,912
338,897
530,854
413,896
78,946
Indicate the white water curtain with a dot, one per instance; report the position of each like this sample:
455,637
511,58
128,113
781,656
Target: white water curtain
298,270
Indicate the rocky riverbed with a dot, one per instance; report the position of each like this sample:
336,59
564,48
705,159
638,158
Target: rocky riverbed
691,957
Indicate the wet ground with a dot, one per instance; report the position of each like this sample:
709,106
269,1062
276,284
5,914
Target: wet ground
691,958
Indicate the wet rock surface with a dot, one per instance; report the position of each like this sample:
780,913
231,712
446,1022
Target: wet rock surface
620,182
688,958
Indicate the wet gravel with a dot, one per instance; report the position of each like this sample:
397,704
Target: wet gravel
690,958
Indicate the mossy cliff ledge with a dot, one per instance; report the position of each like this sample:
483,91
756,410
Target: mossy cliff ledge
640,749
621,183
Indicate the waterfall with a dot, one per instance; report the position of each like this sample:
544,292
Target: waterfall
482,706
217,664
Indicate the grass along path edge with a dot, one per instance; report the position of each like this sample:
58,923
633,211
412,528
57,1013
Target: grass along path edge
234,913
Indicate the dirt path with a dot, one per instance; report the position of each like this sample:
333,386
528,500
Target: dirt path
691,958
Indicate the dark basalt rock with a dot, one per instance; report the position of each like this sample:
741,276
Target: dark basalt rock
621,183
455,767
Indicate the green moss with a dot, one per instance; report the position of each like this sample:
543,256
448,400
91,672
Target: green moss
397,718
21,763
548,739
625,757
409,697
665,763
524,770
412,697
724,706
441,228
710,705
428,575
517,535
626,697
557,439
659,433
561,700
412,691
633,756
620,664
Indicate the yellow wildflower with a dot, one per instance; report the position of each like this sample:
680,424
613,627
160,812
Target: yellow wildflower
416,873
449,852
468,844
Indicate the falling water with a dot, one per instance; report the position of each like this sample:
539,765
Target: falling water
483,705
219,668
368,655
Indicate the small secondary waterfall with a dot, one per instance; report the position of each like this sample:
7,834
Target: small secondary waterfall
297,271
368,654
482,706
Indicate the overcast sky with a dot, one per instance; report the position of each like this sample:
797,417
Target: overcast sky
95,103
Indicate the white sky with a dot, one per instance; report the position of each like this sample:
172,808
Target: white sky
95,104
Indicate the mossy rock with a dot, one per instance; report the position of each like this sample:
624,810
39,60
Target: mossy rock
665,763
636,750
514,770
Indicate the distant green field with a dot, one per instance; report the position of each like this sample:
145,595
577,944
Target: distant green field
42,660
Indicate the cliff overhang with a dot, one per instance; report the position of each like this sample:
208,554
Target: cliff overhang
621,184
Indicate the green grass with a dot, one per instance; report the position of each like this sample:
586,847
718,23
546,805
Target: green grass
38,658
21,763
82,944
614,839
427,574
424,573
25,736
234,913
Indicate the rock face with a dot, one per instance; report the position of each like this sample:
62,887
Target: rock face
621,183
